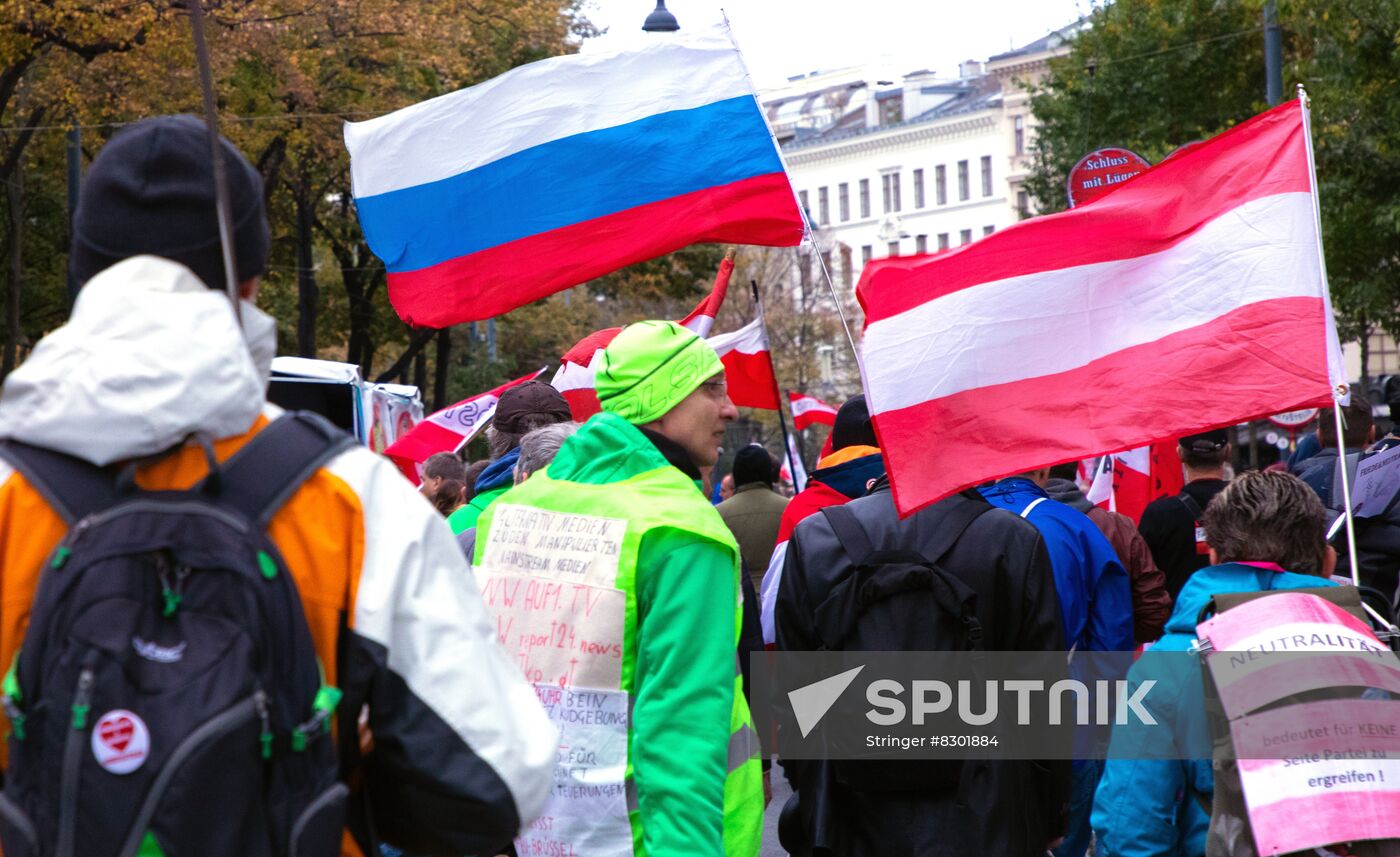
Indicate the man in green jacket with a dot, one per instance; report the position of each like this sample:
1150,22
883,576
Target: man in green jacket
615,587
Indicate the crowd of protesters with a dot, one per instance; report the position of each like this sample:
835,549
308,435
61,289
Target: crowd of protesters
441,736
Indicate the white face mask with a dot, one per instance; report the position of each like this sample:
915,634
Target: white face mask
260,332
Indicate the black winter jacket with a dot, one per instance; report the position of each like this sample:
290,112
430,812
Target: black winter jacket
1003,808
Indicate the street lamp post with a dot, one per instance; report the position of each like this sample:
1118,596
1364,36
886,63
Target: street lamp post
661,20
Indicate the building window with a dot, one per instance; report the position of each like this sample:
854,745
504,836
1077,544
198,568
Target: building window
964,189
865,253
920,243
889,185
843,201
943,241
918,188
966,236
940,184
986,175
802,200
988,230
1023,204
891,109
894,248
847,266
1019,123
1381,356
865,197
804,270
823,206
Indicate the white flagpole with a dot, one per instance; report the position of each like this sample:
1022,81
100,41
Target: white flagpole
1341,391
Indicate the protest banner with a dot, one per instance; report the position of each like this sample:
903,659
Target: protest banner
1320,773
1251,645
549,580
1377,481
1323,770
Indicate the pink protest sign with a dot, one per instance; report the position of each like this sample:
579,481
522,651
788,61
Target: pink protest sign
1323,773
1291,643
1320,772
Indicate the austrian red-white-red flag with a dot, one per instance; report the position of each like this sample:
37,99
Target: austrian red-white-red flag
449,429
702,319
809,411
748,366
577,369
1189,297
578,366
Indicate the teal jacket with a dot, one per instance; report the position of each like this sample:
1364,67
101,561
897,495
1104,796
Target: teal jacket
1148,807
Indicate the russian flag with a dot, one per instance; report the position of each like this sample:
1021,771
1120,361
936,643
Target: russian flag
486,199
1190,296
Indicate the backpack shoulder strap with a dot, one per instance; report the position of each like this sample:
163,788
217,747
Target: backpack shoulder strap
954,523
265,473
848,531
948,529
1191,505
72,487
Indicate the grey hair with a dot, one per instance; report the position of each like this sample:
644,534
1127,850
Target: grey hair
1269,516
538,447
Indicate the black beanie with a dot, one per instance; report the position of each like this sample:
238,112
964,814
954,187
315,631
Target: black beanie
853,426
753,464
151,191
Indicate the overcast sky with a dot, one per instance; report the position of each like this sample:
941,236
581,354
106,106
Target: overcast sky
782,38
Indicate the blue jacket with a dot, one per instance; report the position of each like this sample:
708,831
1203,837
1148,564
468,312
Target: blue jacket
1145,806
1096,605
499,473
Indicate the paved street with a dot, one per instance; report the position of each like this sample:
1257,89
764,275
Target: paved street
781,793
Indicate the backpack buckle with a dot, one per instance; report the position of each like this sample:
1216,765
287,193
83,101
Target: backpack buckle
16,716
327,699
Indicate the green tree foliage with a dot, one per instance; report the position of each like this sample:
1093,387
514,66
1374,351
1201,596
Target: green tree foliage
1152,75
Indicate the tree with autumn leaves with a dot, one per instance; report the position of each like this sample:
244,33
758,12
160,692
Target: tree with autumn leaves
288,74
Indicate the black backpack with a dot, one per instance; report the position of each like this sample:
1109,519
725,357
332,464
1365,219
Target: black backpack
898,600
167,699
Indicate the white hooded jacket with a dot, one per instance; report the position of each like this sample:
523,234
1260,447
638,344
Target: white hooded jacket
463,751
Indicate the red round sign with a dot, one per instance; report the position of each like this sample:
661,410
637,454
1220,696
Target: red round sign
1100,171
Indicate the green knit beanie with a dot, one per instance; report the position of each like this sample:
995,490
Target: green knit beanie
650,367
